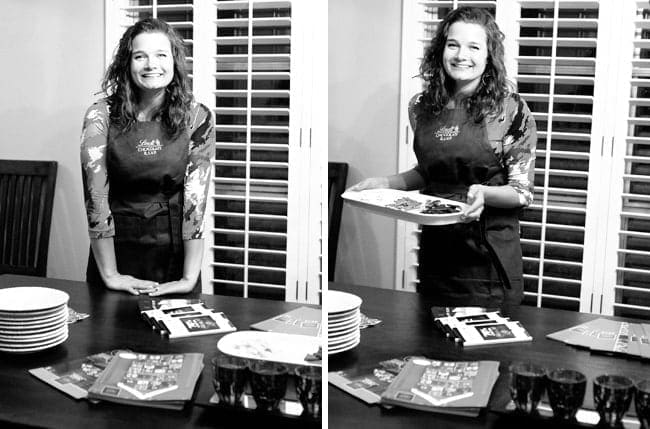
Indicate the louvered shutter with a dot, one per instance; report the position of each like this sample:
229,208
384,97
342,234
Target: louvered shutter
626,289
558,75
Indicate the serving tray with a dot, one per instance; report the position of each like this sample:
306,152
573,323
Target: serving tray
384,202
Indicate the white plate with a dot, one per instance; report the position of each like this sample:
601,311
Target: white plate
27,316
33,343
348,326
332,351
7,333
335,330
376,201
6,339
31,298
31,323
349,336
338,302
271,346
346,315
345,320
55,342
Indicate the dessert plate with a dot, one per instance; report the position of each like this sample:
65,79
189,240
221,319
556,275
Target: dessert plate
29,299
339,302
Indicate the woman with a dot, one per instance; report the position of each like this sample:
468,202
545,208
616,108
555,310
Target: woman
474,140
145,152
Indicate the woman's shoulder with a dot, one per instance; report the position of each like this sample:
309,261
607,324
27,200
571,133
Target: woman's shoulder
412,108
199,111
98,111
414,101
514,103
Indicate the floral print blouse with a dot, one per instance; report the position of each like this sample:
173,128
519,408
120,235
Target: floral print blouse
94,138
513,137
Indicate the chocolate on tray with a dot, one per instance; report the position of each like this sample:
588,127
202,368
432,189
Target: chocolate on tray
404,203
437,207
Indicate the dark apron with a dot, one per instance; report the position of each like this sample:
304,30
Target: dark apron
476,263
146,171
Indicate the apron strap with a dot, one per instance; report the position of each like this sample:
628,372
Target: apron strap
176,236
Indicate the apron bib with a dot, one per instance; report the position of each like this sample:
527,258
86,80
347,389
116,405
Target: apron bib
476,263
146,170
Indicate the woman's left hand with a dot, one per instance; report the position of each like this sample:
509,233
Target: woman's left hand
476,201
178,286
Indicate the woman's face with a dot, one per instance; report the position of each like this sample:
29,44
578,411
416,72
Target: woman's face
152,63
465,55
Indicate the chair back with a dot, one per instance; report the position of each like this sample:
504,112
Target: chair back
337,177
26,200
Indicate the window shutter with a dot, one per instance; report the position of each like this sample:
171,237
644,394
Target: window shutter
627,284
557,75
252,86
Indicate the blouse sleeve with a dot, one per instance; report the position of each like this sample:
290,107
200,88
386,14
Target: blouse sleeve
519,145
197,175
94,135
413,121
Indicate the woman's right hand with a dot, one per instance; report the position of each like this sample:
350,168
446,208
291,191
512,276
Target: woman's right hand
130,284
371,183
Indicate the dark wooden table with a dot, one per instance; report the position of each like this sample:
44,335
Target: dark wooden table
114,323
407,329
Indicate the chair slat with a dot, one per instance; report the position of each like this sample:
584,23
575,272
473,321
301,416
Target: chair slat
26,200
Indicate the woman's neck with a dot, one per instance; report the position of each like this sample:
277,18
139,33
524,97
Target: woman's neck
148,104
464,90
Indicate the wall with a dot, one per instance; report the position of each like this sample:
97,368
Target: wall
53,55
364,70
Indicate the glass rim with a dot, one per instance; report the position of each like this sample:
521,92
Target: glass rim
535,368
579,376
308,371
645,382
278,366
229,358
625,381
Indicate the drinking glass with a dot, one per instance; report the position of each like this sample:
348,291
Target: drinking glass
527,382
230,376
268,384
612,397
642,402
566,391
308,386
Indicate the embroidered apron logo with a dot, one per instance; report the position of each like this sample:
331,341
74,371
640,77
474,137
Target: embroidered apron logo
446,133
149,147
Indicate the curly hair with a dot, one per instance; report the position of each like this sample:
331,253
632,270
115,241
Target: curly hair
493,87
120,88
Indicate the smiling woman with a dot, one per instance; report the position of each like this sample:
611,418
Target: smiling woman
145,153
474,139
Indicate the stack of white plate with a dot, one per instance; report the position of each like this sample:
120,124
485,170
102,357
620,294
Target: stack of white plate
32,319
343,318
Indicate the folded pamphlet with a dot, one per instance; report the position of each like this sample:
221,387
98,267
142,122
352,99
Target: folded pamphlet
300,321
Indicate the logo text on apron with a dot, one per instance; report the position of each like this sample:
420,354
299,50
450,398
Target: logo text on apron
446,133
149,147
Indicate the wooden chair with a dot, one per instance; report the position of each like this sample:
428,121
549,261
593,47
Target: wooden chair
26,200
337,176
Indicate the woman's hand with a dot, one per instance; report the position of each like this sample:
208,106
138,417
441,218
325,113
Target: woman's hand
476,201
178,286
129,284
370,183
